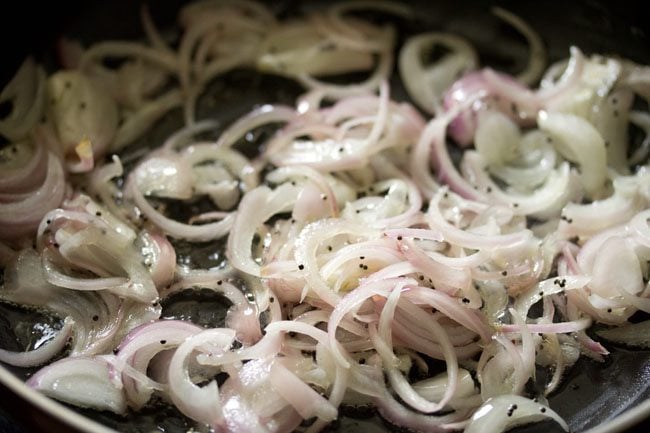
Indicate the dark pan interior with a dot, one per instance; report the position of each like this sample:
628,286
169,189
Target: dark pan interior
592,393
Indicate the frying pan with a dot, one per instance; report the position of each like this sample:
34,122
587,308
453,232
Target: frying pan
596,397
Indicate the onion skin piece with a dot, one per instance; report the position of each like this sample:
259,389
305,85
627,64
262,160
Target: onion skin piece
501,413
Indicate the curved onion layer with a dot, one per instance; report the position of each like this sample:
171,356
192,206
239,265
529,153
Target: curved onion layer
138,349
362,245
501,413
242,317
101,319
81,109
84,382
21,212
42,354
362,37
80,237
199,403
26,92
427,84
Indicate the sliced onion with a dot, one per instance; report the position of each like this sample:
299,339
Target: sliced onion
83,382
300,48
426,85
632,334
141,345
199,403
102,252
347,30
380,74
81,109
641,227
467,239
175,229
144,118
497,137
250,218
448,278
473,93
260,116
26,91
450,307
616,268
21,217
343,282
434,388
396,413
501,413
42,354
577,140
164,176
127,49
242,317
397,380
642,120
21,176
101,319
599,215
160,253
305,400
544,202
309,241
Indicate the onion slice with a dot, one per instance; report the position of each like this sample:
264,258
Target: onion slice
42,354
498,414
83,382
199,403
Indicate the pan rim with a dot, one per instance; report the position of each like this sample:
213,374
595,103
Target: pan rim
628,418
74,420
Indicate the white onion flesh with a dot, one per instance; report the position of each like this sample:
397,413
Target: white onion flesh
42,354
501,413
84,382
